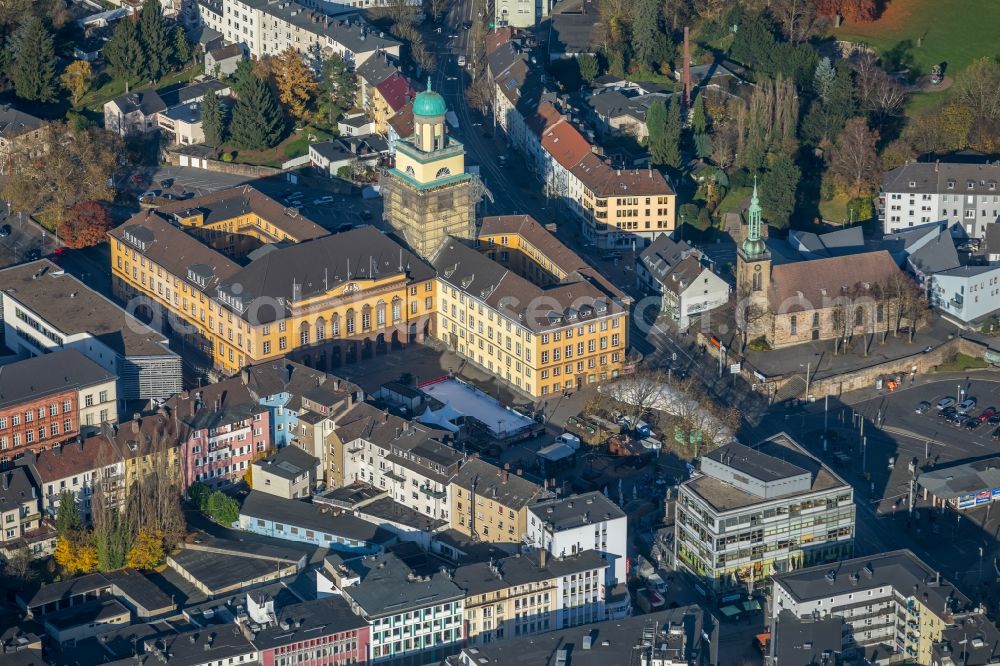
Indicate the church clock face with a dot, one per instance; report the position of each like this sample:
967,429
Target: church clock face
756,267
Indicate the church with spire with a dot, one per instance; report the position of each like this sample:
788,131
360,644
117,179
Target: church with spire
788,303
428,194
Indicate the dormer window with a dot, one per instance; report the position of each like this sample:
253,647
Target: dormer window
993,185
970,184
951,184
913,183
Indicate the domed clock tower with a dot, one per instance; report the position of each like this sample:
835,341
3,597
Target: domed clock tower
428,194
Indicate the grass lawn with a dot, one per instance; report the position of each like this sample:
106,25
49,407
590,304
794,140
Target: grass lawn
296,145
961,363
835,210
108,87
954,32
731,202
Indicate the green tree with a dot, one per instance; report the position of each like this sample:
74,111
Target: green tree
156,42
338,87
182,48
243,77
222,508
645,29
699,119
34,67
664,126
124,53
754,44
213,120
68,516
703,145
588,67
257,122
777,190
198,494
824,78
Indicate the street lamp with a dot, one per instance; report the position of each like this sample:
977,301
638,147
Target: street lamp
808,366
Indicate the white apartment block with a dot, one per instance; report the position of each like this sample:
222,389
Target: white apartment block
268,27
922,192
520,13
400,457
571,525
752,512
966,293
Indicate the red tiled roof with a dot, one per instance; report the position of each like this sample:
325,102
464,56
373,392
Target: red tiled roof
402,122
565,144
806,285
545,117
604,181
497,38
74,458
396,91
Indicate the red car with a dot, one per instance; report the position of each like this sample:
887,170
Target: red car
987,413
59,251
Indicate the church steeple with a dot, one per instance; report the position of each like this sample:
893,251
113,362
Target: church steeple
753,245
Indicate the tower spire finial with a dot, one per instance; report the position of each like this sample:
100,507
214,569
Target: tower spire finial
429,89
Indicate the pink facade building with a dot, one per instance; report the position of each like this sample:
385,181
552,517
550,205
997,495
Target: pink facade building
323,632
223,430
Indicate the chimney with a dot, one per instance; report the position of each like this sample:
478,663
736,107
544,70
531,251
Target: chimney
542,556
136,421
245,374
506,475
217,403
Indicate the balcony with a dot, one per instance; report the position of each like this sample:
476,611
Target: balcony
31,517
433,494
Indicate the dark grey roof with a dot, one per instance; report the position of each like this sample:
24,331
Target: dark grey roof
36,377
141,592
226,52
663,254
193,92
311,268
993,238
15,488
953,481
509,490
289,462
388,587
14,123
286,376
147,102
901,569
534,567
386,508
349,30
186,113
91,613
970,640
805,642
613,103
309,620
933,177
681,635
968,271
754,462
64,589
568,513
831,244
334,151
935,255
218,404
377,69
576,28
72,307
313,517
220,571
188,648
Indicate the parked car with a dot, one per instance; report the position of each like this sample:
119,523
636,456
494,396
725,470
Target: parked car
987,413
994,420
33,254
322,200
461,61
366,214
996,434
167,183
966,405
5,231
972,423
955,418
945,402
922,407
946,412
467,25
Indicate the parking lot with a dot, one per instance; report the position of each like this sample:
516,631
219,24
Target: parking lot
929,432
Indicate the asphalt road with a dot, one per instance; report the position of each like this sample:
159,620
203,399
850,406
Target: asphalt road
24,237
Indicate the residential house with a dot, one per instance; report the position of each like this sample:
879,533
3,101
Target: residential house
966,294
523,595
355,123
77,468
689,288
146,445
52,398
289,473
387,98
134,112
19,132
891,605
567,526
492,504
21,515
622,111
202,647
408,612
223,430
329,157
572,29
414,463
182,124
222,61
321,632
958,192
520,13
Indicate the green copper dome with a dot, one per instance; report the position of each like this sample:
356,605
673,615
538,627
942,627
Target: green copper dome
429,103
